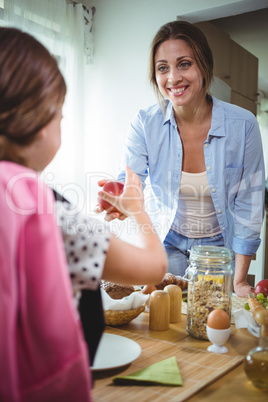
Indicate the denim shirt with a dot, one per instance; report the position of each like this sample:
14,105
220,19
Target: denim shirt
234,165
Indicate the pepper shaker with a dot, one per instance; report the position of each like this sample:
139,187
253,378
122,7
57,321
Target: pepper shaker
159,310
175,295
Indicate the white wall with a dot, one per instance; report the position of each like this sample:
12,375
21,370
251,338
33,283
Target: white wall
117,81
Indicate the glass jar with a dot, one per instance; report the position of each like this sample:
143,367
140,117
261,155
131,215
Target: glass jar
209,286
256,361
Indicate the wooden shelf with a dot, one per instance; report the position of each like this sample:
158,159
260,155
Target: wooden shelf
234,65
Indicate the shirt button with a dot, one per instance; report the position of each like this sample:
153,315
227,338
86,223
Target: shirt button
213,190
223,228
206,145
209,167
219,211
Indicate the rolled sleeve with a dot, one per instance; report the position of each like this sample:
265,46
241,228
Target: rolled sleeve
245,247
135,151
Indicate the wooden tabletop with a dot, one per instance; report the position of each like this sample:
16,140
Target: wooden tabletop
206,376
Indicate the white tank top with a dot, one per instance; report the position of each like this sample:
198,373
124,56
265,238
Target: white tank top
195,216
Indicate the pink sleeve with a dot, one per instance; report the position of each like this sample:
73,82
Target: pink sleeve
46,350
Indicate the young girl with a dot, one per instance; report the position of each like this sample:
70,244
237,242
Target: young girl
42,346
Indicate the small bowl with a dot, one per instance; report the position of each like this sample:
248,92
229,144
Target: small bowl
218,337
121,317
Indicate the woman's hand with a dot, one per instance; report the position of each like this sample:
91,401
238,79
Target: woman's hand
130,202
243,289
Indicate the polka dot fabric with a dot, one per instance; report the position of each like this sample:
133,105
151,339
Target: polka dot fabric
86,241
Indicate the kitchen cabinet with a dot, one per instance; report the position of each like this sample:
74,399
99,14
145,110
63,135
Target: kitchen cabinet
243,101
243,72
219,42
234,65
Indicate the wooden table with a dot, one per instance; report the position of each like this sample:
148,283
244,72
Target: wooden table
206,376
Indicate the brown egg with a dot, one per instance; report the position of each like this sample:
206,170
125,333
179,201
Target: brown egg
218,319
148,289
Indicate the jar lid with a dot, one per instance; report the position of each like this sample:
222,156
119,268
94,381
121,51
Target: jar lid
211,254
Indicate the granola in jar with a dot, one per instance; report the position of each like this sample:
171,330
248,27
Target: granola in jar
209,286
203,297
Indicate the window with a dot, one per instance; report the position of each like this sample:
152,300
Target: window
1,12
60,27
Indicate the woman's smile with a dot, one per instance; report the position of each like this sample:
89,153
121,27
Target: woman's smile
177,91
178,76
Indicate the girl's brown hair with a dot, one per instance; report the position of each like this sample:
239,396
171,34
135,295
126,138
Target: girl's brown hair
32,89
195,39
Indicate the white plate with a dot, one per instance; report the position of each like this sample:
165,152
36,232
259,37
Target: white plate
115,351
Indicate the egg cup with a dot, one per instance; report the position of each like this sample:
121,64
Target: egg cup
218,337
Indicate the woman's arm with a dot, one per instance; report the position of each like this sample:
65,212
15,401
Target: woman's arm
249,208
126,263
135,155
248,211
241,287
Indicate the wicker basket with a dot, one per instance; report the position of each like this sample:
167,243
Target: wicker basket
121,317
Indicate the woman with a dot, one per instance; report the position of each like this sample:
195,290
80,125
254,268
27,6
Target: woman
42,349
203,157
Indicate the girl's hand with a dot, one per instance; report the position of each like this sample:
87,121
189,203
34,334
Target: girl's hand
109,215
130,202
98,208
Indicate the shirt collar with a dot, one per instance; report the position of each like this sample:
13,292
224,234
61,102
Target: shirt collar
217,121
169,114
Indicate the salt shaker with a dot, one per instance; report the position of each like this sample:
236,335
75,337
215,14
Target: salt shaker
175,295
159,310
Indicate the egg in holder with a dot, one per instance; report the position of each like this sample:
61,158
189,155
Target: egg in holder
209,286
218,330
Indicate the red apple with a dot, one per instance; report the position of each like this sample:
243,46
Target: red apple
262,287
114,188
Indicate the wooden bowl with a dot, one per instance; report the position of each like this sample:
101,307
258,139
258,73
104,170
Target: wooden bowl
121,317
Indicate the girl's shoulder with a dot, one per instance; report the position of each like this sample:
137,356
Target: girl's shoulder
23,189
